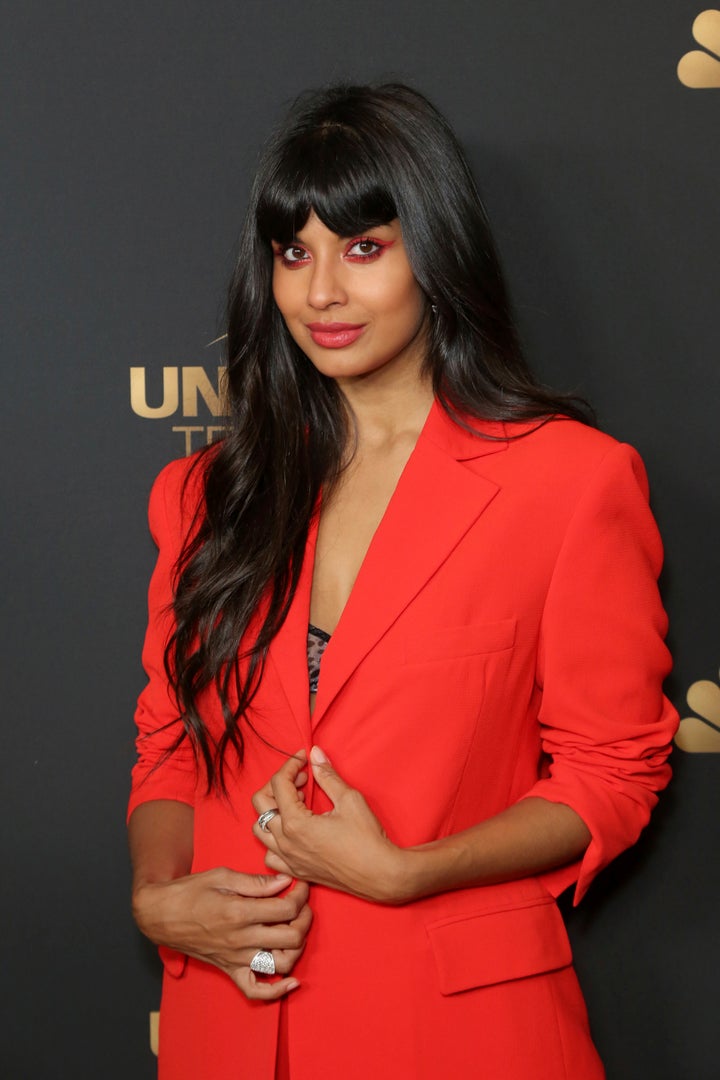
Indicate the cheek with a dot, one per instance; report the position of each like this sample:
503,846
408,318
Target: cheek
284,294
410,305
401,300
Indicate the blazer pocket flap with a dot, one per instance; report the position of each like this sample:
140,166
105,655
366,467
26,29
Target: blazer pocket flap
173,961
449,642
497,946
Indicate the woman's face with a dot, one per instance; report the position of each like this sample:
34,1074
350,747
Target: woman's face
351,303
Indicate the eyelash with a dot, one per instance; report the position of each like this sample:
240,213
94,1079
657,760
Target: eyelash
293,264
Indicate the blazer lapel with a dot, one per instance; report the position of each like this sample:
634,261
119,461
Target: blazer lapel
437,499
288,649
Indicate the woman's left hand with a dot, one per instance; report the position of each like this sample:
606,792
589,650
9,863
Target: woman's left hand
345,848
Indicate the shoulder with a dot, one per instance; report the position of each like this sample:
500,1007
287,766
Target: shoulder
561,464
570,448
560,434
177,495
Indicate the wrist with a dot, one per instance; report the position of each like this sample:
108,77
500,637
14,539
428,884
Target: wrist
138,904
397,882
432,868
158,912
142,902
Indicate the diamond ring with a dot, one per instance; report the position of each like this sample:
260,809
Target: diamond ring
263,962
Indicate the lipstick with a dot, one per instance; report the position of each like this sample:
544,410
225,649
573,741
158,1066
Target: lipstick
335,335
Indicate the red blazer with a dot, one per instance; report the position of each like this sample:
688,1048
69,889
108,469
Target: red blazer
504,638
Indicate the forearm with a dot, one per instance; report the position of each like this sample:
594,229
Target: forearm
531,836
160,834
348,849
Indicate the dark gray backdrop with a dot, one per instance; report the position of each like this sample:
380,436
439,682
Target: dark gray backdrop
130,137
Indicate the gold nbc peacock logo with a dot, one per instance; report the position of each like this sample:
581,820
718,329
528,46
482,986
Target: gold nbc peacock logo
701,734
698,69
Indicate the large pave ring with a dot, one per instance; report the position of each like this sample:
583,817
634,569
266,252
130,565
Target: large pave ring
263,962
266,817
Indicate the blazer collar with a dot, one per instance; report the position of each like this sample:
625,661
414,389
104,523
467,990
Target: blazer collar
466,438
437,499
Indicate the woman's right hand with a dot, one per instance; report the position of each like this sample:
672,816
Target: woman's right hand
224,917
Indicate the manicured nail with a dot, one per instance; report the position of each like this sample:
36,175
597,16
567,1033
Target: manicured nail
293,984
318,757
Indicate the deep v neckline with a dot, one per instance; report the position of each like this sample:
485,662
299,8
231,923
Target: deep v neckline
315,649
440,494
371,543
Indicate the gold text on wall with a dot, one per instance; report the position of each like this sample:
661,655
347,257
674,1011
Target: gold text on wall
188,393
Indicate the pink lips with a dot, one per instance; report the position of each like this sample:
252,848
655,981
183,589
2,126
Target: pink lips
335,335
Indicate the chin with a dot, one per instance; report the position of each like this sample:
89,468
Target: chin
337,368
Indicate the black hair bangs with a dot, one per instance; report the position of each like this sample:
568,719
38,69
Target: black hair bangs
331,172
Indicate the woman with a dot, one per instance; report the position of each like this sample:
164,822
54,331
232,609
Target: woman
470,568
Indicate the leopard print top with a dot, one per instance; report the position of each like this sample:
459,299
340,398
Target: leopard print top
317,640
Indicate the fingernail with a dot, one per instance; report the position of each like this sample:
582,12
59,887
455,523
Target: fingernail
285,879
293,984
318,757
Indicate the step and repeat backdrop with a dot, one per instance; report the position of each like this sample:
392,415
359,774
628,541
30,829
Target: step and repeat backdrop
131,135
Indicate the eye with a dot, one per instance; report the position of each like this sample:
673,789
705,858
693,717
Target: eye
294,254
365,248
291,255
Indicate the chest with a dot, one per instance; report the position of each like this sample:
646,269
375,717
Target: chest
349,520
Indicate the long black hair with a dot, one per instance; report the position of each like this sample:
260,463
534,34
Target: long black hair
358,156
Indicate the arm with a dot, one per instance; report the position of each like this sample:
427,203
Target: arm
347,848
530,837
160,835
604,724
221,917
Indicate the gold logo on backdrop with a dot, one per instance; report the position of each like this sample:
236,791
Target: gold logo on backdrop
701,734
184,390
154,1032
698,69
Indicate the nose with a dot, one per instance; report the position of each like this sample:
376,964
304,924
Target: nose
325,287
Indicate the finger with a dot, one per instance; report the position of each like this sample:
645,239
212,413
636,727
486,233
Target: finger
230,948
292,768
299,894
287,938
263,800
257,989
284,788
249,885
267,836
277,863
269,911
303,920
326,776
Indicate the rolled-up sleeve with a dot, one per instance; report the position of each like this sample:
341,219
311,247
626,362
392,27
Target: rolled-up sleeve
157,773
605,724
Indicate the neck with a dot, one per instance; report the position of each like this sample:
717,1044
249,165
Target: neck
384,409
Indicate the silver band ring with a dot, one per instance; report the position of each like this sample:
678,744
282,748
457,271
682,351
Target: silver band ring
265,819
263,962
